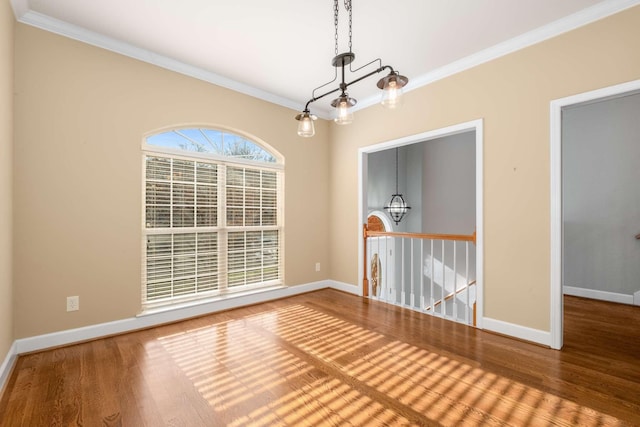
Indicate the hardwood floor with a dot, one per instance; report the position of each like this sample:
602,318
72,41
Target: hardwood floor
328,358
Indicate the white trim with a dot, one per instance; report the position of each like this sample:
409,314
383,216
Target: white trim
7,366
345,287
518,331
75,32
71,336
586,16
555,152
474,125
636,298
599,295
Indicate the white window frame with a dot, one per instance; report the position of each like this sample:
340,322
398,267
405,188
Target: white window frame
221,228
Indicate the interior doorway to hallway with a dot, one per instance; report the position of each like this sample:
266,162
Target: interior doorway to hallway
595,203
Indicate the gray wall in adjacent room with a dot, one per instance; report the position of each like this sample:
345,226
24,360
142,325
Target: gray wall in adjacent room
601,195
449,185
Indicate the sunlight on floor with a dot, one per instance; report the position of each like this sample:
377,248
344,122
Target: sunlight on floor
297,366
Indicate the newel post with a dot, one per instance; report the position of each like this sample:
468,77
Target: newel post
365,281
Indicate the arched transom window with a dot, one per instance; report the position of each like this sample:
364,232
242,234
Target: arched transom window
212,219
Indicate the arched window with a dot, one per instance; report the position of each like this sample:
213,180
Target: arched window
212,215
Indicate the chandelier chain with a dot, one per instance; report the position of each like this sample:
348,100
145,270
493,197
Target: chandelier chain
335,23
397,192
336,10
347,5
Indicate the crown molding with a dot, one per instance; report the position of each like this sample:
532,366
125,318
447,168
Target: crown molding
553,29
594,13
56,26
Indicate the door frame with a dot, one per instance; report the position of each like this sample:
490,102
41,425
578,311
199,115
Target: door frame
474,125
555,151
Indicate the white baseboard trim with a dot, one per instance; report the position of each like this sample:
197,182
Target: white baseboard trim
595,294
517,331
345,287
636,298
7,366
71,336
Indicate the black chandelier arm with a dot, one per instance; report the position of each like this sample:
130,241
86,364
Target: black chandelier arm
378,60
335,77
343,85
315,98
379,70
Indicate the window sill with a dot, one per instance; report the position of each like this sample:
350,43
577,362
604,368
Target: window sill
212,300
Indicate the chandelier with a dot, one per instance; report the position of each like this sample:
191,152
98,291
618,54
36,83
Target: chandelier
397,207
391,84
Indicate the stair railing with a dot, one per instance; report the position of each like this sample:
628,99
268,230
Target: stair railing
436,270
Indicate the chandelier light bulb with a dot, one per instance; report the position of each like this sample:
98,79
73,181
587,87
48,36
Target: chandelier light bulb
345,115
392,95
306,129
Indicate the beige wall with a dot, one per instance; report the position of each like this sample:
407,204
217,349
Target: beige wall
512,95
80,115
6,168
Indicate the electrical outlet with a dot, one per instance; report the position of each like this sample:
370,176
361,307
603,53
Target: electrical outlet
317,266
73,303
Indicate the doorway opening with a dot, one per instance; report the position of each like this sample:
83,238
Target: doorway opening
588,208
372,199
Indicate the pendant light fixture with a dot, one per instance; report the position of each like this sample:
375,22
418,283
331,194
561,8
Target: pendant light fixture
391,84
397,207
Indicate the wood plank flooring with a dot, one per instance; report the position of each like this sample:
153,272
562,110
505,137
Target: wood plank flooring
328,358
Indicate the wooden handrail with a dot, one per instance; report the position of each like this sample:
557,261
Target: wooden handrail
451,295
458,237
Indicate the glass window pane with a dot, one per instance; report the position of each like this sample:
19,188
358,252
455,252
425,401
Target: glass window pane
236,278
269,180
235,176
197,140
235,218
159,290
159,245
184,266
252,197
183,216
207,283
206,195
269,217
235,196
158,168
183,170
206,216
268,199
207,173
159,268
184,286
183,194
252,217
252,178
254,276
207,242
158,193
157,217
184,244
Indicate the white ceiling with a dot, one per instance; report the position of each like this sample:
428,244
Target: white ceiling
281,50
